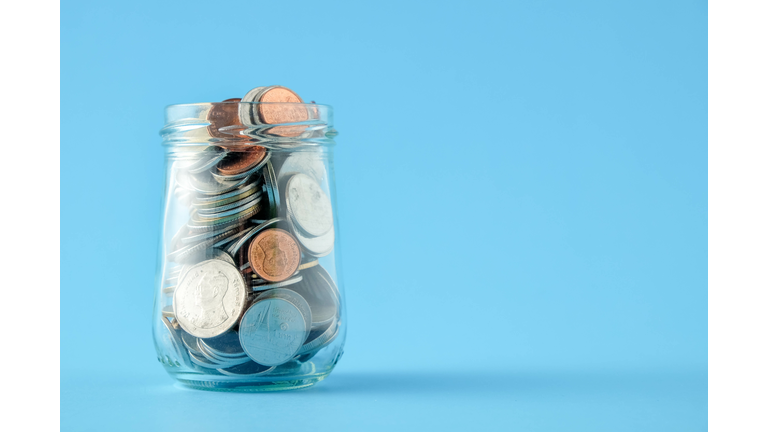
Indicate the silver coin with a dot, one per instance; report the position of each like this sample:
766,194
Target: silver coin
207,185
190,342
272,331
268,286
249,203
315,246
216,200
201,361
223,243
250,233
293,297
247,369
167,312
309,163
210,298
205,211
270,184
197,238
197,252
309,206
225,345
321,294
172,339
197,224
319,338
222,362
208,254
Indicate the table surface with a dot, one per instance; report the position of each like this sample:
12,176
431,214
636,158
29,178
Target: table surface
371,401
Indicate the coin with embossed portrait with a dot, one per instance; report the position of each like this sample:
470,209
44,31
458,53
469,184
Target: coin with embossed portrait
274,255
210,298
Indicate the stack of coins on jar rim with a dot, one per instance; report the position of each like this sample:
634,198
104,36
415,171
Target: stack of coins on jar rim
244,293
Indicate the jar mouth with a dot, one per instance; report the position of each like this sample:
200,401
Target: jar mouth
234,123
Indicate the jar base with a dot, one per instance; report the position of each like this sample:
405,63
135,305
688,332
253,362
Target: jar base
241,384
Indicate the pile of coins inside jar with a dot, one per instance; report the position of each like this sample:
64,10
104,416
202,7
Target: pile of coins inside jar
243,291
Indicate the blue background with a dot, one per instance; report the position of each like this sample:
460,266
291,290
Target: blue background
522,193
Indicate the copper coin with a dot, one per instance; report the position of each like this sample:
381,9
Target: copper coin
222,115
274,255
241,159
279,113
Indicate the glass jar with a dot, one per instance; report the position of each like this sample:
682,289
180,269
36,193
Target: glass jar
249,294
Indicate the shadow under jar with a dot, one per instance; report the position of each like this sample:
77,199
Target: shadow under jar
249,294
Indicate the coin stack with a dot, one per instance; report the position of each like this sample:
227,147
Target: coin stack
243,291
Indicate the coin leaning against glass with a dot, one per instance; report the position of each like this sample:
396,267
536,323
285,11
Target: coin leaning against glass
315,246
308,205
272,331
173,339
210,298
321,294
305,162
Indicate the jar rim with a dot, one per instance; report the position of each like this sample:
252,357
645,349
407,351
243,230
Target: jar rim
204,104
234,122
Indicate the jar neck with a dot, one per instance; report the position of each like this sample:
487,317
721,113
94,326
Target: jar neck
234,124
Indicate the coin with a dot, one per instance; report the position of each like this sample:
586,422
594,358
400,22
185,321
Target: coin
293,297
250,233
208,254
315,246
207,164
270,184
255,169
272,331
217,200
197,238
229,209
269,286
196,224
241,159
308,265
172,339
321,294
222,115
281,112
199,159
222,362
274,255
319,337
210,298
196,252
247,369
308,205
245,113
305,162
207,185
225,345
190,343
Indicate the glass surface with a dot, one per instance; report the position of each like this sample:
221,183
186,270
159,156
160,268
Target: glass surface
249,294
